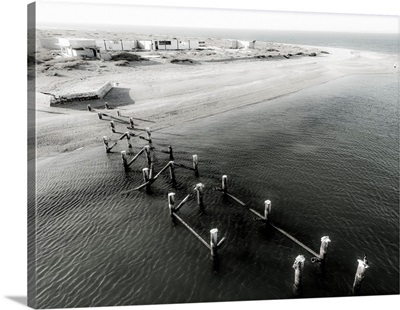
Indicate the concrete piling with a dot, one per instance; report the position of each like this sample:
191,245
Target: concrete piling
324,247
267,209
360,274
298,267
196,165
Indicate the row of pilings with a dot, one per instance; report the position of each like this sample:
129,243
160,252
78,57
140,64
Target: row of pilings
214,243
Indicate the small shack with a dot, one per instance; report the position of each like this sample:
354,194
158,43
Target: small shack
49,43
243,44
78,47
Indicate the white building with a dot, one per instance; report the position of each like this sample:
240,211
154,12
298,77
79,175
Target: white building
78,47
49,43
243,44
145,44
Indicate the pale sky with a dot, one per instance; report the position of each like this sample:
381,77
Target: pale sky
120,12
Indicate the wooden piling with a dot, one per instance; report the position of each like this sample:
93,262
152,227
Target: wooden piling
171,204
124,160
196,165
106,106
324,247
213,242
131,122
267,209
360,274
128,139
151,173
118,113
171,155
148,132
146,177
225,184
298,273
200,191
112,124
148,155
105,140
172,171
89,108
100,115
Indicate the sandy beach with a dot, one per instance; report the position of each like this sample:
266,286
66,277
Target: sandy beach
202,83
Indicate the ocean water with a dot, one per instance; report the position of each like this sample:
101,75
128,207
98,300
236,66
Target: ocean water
327,157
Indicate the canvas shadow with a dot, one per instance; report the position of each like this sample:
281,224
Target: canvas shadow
18,299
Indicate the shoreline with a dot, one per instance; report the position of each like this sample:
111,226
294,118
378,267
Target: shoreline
170,93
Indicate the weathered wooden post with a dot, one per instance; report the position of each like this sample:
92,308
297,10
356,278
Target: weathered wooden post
106,106
298,273
171,204
151,173
89,108
128,138
360,274
100,115
112,124
196,165
105,140
172,171
213,242
267,209
324,247
200,191
148,132
146,177
171,155
118,113
148,155
131,122
124,160
225,183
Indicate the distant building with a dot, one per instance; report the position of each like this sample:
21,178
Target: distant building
78,47
49,43
145,44
97,48
175,44
243,44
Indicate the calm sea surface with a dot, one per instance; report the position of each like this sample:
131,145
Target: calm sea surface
327,157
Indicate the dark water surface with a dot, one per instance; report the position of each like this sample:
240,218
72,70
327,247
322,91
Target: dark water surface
327,157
